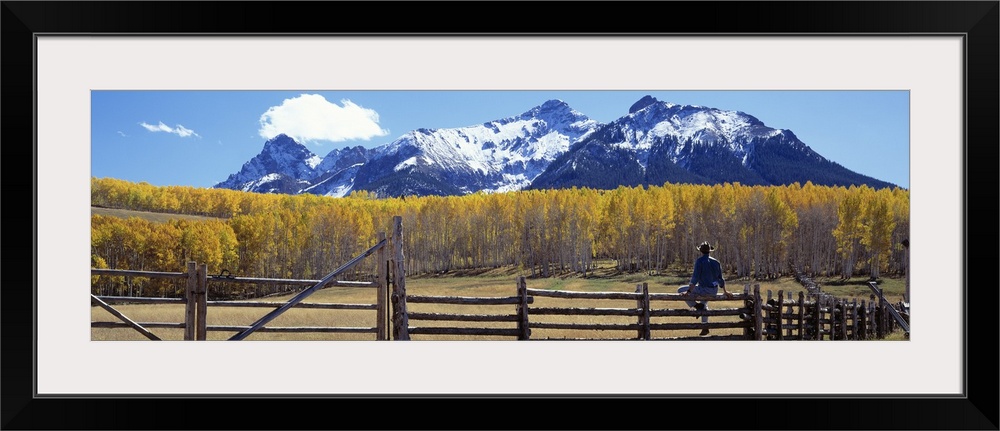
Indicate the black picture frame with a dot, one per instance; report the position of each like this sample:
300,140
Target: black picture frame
976,21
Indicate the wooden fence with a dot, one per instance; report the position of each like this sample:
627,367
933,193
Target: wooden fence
193,300
756,318
517,323
196,299
824,318
638,315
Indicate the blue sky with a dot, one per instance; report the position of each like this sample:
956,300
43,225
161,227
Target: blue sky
199,138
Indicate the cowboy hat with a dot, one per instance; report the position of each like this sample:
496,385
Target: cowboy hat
705,247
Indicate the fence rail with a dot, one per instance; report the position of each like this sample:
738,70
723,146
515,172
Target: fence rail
646,312
140,300
289,281
135,273
419,317
319,305
196,301
773,318
778,317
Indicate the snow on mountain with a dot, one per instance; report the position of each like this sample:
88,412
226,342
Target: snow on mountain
335,184
687,125
552,146
338,170
286,166
659,142
499,155
283,166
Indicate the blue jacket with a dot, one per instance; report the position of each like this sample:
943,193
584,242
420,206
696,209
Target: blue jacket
707,270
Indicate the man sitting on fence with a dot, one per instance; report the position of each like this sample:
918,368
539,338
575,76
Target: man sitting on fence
706,280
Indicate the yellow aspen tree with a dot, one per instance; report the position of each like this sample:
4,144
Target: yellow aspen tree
98,192
759,231
414,244
849,230
738,253
582,226
102,251
783,222
813,244
662,225
901,213
252,244
495,216
690,223
99,263
724,201
614,225
878,226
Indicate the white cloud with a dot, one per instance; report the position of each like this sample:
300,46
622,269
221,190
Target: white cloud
179,130
311,118
122,133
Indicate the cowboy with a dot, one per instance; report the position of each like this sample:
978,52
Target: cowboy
706,280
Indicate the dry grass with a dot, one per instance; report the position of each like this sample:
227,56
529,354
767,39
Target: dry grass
245,316
857,288
146,215
493,283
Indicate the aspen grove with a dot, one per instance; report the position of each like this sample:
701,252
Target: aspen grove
761,231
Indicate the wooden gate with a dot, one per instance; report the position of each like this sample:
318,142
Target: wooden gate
196,297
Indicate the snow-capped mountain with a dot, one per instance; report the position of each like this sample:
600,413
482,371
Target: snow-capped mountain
286,166
283,166
553,146
338,170
499,155
496,156
659,142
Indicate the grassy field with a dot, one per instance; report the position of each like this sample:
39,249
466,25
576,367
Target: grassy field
146,215
492,283
857,288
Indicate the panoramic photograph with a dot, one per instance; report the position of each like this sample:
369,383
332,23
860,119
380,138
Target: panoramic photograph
501,215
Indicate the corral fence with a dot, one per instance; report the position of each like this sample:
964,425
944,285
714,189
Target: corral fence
197,303
653,316
528,314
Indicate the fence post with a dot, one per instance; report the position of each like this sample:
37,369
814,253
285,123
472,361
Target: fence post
862,324
802,317
758,317
879,321
769,313
869,320
201,293
643,290
401,323
381,314
524,331
190,302
834,323
818,317
879,324
880,328
789,319
781,317
638,306
854,319
747,304
843,318
832,309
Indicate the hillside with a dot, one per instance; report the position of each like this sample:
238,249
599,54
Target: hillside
146,215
